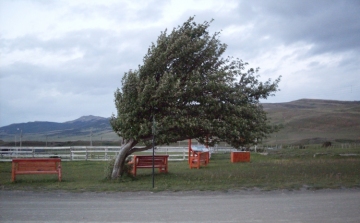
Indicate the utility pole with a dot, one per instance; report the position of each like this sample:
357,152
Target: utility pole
91,136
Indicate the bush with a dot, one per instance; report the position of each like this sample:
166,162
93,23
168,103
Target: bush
108,169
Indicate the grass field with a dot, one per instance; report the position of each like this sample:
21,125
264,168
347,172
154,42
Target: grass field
280,169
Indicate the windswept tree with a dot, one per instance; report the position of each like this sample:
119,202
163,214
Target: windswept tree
192,92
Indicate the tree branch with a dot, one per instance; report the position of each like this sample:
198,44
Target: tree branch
138,149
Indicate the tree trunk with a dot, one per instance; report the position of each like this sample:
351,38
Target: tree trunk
118,168
127,149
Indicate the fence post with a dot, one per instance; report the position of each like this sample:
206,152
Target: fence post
86,154
73,154
106,156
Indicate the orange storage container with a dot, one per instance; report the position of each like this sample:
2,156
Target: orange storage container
240,156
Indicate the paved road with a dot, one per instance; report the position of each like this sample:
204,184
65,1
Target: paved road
243,206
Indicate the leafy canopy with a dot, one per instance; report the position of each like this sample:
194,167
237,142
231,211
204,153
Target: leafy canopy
192,92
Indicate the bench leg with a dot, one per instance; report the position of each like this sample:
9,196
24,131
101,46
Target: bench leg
60,174
163,169
134,170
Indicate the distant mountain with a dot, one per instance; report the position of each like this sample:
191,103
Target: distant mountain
37,130
89,118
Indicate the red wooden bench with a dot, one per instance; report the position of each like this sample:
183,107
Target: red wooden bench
146,161
36,166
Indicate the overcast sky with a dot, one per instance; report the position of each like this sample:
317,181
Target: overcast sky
60,60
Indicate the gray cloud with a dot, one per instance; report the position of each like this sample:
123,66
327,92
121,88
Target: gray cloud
73,65
332,26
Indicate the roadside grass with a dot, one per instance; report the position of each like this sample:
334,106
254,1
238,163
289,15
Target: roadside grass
290,169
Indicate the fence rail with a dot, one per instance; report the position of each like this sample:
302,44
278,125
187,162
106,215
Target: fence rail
90,153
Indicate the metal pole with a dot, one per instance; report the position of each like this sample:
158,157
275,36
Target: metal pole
153,164
153,153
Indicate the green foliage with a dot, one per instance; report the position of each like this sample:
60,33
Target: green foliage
192,92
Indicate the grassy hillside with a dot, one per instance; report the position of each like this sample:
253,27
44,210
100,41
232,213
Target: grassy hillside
310,121
305,121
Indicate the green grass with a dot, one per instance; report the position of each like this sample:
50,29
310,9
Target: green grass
280,169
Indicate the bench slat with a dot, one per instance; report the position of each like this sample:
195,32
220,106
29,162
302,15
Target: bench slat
36,172
36,166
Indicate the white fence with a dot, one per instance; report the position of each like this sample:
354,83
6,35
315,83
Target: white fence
75,153
90,153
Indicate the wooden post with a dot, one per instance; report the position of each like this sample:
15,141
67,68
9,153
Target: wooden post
13,172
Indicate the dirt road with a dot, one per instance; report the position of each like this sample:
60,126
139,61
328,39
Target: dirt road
242,206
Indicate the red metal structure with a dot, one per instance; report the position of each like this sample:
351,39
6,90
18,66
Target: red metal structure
197,158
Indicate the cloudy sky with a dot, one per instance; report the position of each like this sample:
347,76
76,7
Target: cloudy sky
60,60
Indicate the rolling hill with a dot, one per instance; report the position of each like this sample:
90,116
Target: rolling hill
309,121
305,121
